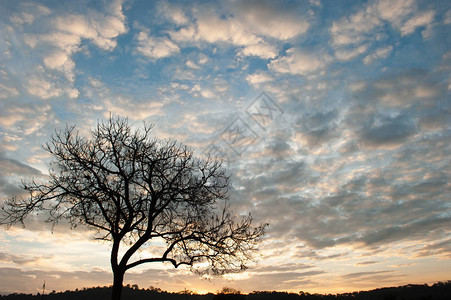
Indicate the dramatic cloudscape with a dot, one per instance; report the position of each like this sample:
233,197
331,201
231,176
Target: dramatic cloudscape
332,117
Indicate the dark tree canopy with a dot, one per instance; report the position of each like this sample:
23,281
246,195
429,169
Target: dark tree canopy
132,189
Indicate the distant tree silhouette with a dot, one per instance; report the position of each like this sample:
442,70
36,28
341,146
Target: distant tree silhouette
132,189
229,290
438,291
229,293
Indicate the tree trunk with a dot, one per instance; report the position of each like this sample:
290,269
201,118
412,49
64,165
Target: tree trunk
118,278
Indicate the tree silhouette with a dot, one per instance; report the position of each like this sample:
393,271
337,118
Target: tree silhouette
132,189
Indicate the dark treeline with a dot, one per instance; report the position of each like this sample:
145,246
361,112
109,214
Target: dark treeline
440,290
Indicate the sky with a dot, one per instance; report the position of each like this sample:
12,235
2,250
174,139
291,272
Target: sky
332,117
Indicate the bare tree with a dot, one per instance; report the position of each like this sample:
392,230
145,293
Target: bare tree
132,189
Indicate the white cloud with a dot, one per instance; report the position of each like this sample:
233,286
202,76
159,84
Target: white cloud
126,107
23,18
120,105
25,118
377,54
425,91
47,86
353,29
185,34
156,47
361,27
192,65
173,13
100,27
57,45
297,62
43,88
59,60
358,86
258,77
203,58
419,20
271,19
7,91
348,54
447,18
404,90
213,29
247,24
198,91
206,93
7,88
262,50
395,11
30,12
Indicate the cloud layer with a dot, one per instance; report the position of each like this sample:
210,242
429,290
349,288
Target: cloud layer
348,149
